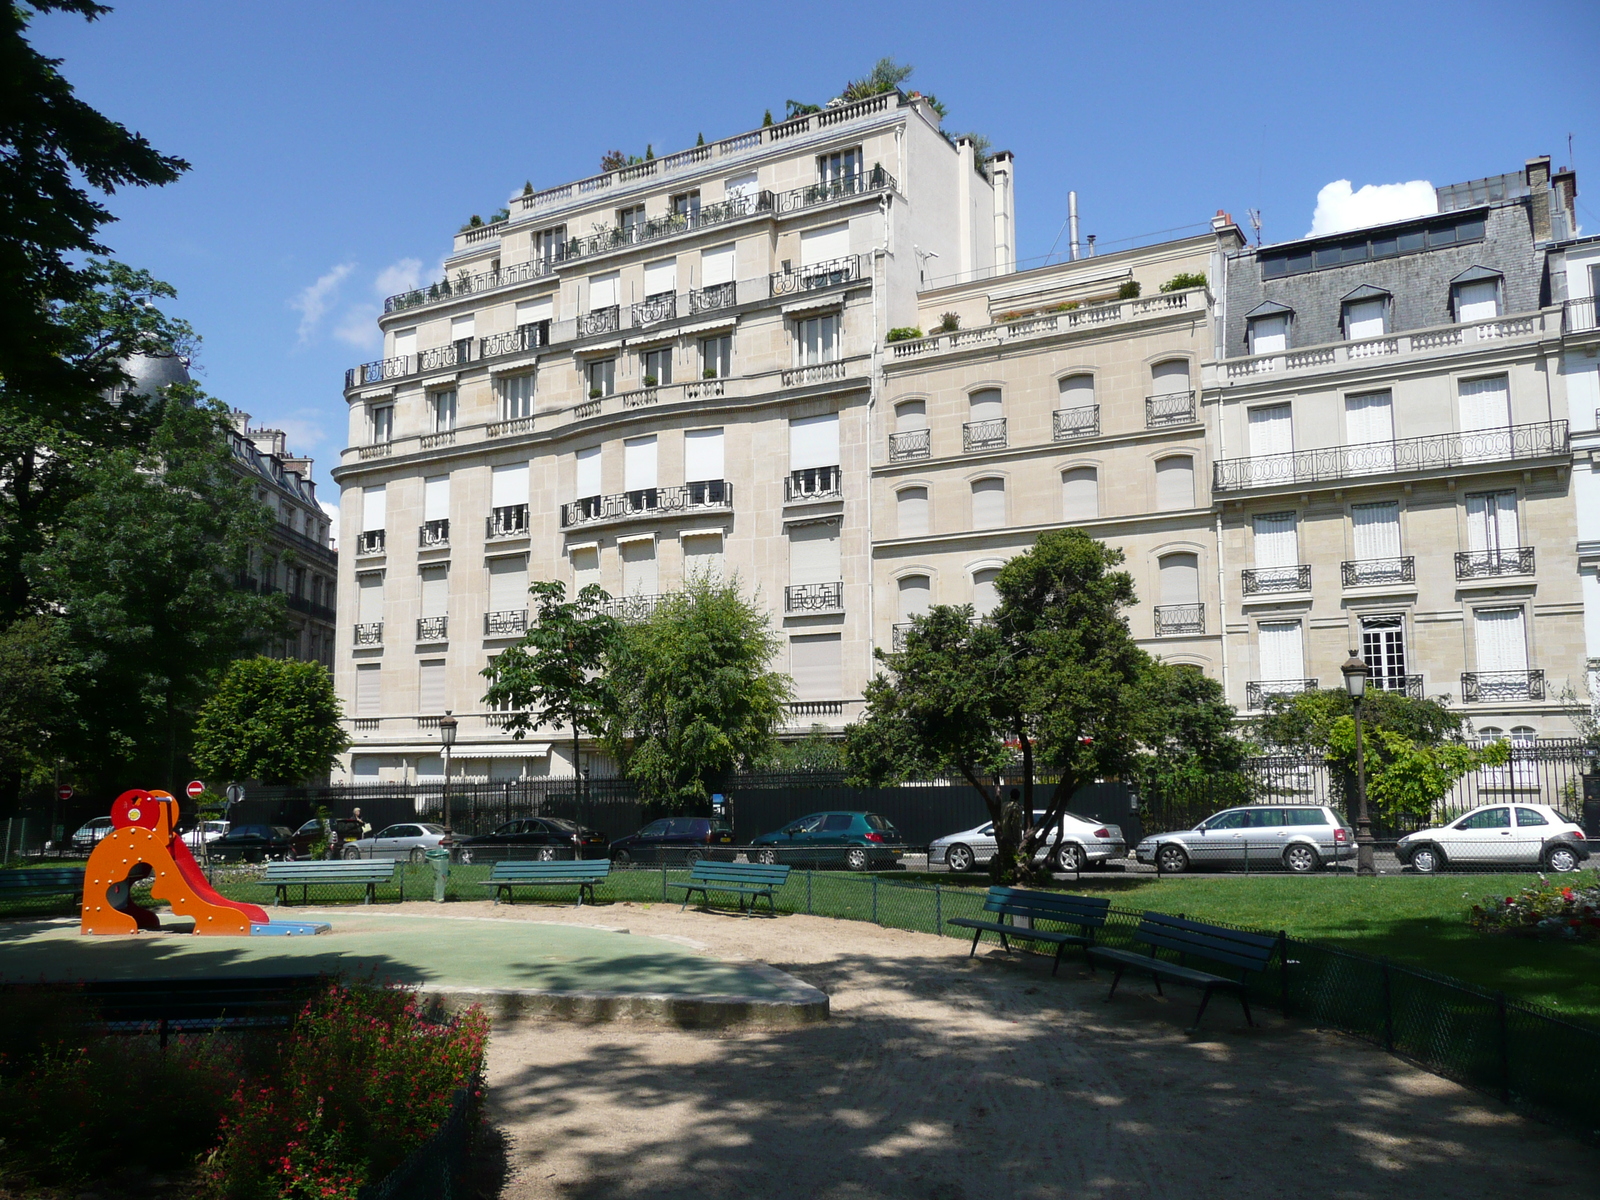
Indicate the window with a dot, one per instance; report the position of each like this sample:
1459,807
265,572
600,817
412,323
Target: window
839,167
443,405
660,278
1180,578
639,567
1375,535
1369,423
463,329
1476,299
374,510
655,367
915,597
817,339
820,246
639,470
813,442
431,694
985,597
585,567
1269,334
1365,318
516,396
602,373
702,555
814,553
369,598
435,590
1530,817
1169,378
716,356
1501,644
717,266
405,341
1277,551
1489,818
1383,646
549,244
985,405
381,423
816,664
702,455
1076,391
1280,651
1174,482
1484,404
533,312
911,512
1271,429
369,689
436,509
988,503
742,188
1492,522
910,415
629,221
1080,494
508,583
602,291
687,206
587,473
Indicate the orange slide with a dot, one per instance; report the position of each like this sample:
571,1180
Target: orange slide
144,831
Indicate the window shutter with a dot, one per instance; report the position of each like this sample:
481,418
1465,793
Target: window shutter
508,584
911,512
373,509
639,463
1080,494
435,591
814,442
916,596
1369,418
660,277
716,266
1180,579
588,472
369,689
1281,652
602,290
1501,643
1492,521
1167,378
1485,404
1077,390
1377,529
1271,429
1364,319
530,311
1478,300
909,415
702,455
405,341
742,185
463,327
1276,542
639,568
824,245
986,405
436,498
369,598
508,485
1174,483
585,567
702,556
431,696
816,664
985,597
814,554
1269,335
988,503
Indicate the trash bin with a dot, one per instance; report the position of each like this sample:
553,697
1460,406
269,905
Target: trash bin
440,861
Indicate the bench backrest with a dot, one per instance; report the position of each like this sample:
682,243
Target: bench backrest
756,874
1048,906
585,869
43,878
1234,947
355,870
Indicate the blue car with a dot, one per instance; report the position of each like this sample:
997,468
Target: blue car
857,840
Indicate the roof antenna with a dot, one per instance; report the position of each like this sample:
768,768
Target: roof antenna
1255,222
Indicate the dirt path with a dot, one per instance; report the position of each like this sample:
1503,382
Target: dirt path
939,1078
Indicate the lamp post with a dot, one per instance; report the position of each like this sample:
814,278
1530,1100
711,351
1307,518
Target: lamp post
1355,672
447,735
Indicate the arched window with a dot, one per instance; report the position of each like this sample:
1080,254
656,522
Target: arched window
911,512
985,599
1174,482
1080,494
916,595
988,503
1169,377
1180,578
909,415
985,405
1077,390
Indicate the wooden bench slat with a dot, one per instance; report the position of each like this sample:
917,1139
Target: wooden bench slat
365,871
742,879
506,876
1087,912
1232,947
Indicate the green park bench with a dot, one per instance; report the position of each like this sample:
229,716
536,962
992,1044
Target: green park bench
45,881
1010,905
1245,952
506,876
368,872
743,879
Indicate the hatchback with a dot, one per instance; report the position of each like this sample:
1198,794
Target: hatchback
857,840
1300,837
1497,835
410,841
677,840
534,837
1088,843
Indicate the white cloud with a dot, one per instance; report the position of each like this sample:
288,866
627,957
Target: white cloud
358,327
1338,208
333,521
314,302
399,276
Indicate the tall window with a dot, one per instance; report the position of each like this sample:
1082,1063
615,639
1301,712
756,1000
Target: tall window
839,167
1170,378
381,418
585,567
639,567
716,356
702,554
1180,578
1080,494
703,456
1174,482
1271,429
444,410
687,206
629,220
816,664
369,689
911,512
548,244
1076,391
432,695
1369,424
660,278
516,396
1383,645
602,377
1492,522
1277,547
508,584
1502,649
1281,653
985,597
910,415
603,291
988,503
817,339
915,597
655,367
1375,535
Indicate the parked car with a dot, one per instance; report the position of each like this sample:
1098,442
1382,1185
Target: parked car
677,840
1079,842
857,840
1302,837
534,837
408,840
252,843
204,833
1497,835
85,837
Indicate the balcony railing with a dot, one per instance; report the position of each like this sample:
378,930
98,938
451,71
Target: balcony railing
1578,316
1175,408
319,612
705,389
813,483
533,336
370,542
710,299
654,309
1410,685
667,225
466,285
824,372
983,435
1418,341
1173,620
832,273
858,184
599,320
1367,572
1487,564
379,370
913,443
509,622
434,533
1069,423
1258,691
633,608
509,520
433,629
1543,439
454,354
509,427
897,635
1276,579
684,497
813,597
370,634
1492,687
815,708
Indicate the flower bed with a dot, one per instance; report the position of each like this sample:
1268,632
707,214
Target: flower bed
1565,910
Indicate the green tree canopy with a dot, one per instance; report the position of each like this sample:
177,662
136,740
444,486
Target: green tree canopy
271,719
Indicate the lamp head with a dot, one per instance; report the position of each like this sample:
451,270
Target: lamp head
447,729
1355,672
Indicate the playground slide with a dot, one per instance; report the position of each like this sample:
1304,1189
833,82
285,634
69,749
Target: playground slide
196,879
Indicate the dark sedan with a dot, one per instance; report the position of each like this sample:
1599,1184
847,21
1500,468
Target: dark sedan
252,844
677,840
534,837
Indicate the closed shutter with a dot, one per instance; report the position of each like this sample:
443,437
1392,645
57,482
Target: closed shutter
463,327
373,508
988,503
1364,319
1281,652
661,277
911,512
824,245
588,473
986,405
1486,417
585,567
508,584
1501,643
435,591
1168,378
702,556
816,663
1080,494
369,689
985,596
1369,418
702,455
1174,483
436,498
910,415
742,185
916,596
531,311
1376,529
1269,335
1492,521
509,485
639,463
405,341
1271,429
814,554
639,568
1180,579
716,266
1478,301
602,290
1077,390
1276,542
369,598
431,696
814,442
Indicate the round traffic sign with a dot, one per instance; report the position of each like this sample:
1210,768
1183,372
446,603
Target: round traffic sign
195,788
235,793
64,792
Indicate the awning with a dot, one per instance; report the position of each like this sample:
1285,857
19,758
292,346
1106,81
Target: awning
460,750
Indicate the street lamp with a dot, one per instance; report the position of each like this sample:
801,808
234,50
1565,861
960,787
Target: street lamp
1355,672
447,735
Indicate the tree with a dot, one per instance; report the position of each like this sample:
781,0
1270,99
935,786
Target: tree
885,76
556,675
35,696
271,719
1189,732
692,693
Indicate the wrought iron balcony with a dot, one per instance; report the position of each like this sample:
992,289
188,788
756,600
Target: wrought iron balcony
667,225
1173,620
984,435
599,320
814,597
523,338
1276,579
371,542
859,184
379,370
1410,685
654,309
684,497
509,622
1492,687
1367,572
509,520
434,533
1543,439
455,354
369,634
319,612
1258,691
467,285
897,635
1175,408
823,372
1488,564
1579,315
827,274
633,608
1069,423
710,299
913,443
813,483
433,629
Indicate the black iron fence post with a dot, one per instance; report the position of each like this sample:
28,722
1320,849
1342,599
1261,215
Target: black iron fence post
1388,1010
1505,1047
938,910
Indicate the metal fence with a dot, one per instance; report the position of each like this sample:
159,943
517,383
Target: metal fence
433,1171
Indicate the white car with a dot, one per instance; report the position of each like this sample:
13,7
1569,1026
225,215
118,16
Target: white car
1497,835
205,833
1086,843
411,840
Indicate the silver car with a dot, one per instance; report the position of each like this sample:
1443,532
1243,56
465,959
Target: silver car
1086,843
410,840
1300,837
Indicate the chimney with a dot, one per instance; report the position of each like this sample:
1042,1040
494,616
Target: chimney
1565,182
1072,224
1221,223
1537,173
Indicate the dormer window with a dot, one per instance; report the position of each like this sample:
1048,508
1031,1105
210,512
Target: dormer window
1475,295
1267,329
1366,314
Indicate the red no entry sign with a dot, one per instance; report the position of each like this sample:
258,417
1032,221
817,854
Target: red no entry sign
195,788
64,792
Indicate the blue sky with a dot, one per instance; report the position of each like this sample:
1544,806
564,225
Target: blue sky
338,143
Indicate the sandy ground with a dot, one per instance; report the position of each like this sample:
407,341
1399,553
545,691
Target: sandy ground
940,1078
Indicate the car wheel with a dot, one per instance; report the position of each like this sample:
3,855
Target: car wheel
1302,859
1069,858
856,859
1561,858
622,858
352,852
1425,860
690,857
767,856
1171,860
416,854
959,858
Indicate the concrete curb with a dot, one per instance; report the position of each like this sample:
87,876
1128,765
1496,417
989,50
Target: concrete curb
508,1006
